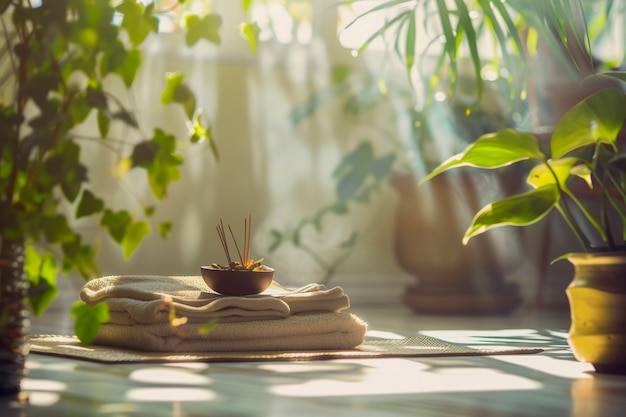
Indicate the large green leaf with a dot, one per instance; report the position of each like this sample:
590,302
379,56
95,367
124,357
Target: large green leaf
519,210
598,118
494,150
88,319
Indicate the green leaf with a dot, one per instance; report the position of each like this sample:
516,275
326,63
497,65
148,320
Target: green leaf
41,270
250,31
104,123
134,236
277,240
494,150
199,28
57,229
165,229
246,4
519,210
619,162
89,204
409,48
465,26
199,132
126,117
163,169
137,20
41,296
96,98
558,170
598,118
177,91
620,75
89,318
381,167
353,170
80,257
129,67
144,154
116,223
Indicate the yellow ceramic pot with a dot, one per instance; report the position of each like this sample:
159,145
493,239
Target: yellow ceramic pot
597,297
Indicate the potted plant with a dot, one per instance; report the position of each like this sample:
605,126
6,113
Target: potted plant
63,63
441,53
583,178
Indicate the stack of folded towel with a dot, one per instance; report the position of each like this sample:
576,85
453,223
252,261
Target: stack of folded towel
311,317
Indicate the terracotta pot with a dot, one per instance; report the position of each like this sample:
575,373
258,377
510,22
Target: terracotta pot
597,297
13,317
452,278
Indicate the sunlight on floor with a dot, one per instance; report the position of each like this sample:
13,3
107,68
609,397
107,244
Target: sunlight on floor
162,375
400,376
170,394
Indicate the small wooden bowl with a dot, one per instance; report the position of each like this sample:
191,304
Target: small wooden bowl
237,282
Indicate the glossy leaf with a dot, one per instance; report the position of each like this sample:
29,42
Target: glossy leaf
558,170
89,319
519,210
494,150
598,118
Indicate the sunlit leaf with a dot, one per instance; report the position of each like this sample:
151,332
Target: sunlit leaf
89,319
519,210
494,150
206,27
548,174
250,31
598,118
137,20
133,237
176,91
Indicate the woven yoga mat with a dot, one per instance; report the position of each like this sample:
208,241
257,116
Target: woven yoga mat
416,346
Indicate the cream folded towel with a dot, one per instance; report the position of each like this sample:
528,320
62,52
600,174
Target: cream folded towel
329,331
141,299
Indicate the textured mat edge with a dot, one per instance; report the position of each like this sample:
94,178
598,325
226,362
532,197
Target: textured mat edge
411,347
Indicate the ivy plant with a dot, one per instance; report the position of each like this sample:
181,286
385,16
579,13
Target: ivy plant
58,59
